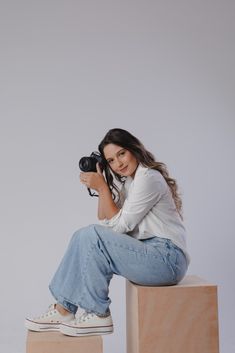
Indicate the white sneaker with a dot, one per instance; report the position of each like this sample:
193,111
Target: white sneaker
88,324
49,321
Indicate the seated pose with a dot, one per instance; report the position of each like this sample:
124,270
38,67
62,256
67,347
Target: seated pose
140,236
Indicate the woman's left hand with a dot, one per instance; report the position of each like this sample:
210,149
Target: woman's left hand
93,180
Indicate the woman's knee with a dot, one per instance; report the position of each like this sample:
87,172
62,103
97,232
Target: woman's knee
85,234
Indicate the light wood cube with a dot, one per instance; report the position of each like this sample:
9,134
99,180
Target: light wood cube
172,319
56,342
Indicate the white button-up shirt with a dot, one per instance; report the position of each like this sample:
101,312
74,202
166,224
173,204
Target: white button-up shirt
147,209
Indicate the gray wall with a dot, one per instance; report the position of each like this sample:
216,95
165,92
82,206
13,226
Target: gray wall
70,70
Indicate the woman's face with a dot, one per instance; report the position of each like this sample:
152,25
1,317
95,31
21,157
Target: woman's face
120,160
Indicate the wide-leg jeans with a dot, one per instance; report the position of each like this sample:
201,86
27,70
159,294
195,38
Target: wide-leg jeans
95,253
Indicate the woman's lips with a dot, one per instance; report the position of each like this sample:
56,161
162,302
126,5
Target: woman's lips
123,170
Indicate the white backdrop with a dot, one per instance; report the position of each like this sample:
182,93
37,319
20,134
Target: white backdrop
71,70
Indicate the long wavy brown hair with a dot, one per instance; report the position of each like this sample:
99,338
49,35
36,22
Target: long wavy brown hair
128,141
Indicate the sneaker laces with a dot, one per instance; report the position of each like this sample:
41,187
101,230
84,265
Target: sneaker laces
48,312
85,317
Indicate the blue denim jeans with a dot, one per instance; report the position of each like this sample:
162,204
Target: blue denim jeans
95,253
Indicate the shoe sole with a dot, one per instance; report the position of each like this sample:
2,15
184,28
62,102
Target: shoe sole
86,331
39,327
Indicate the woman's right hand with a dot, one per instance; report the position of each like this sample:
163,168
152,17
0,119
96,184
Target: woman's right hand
94,180
99,171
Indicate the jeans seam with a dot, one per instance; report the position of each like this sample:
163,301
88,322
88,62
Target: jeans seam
93,246
130,249
84,274
170,247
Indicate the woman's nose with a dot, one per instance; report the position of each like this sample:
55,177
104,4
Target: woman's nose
119,163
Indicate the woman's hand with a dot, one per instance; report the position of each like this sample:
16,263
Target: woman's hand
93,180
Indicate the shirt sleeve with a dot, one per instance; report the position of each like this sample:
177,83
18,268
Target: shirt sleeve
145,191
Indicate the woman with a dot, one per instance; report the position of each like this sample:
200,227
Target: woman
141,237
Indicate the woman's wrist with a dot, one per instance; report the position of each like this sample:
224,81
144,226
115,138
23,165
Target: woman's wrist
103,188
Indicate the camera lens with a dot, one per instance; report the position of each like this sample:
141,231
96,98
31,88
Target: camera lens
88,164
85,164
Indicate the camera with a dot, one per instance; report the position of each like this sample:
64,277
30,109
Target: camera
88,164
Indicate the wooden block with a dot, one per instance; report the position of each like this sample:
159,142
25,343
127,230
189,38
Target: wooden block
172,319
56,342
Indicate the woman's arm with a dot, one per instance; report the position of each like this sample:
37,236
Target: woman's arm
101,214
145,191
106,206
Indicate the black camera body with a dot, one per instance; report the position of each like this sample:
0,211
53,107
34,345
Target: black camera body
88,164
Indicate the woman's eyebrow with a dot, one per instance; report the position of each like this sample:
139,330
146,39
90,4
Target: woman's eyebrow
116,153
